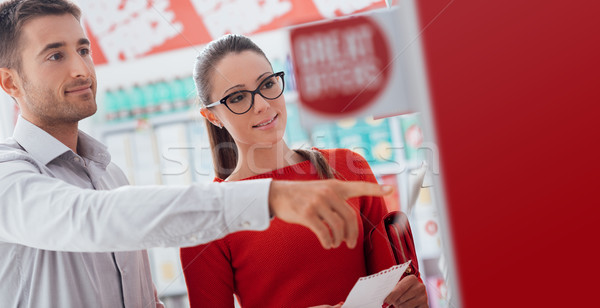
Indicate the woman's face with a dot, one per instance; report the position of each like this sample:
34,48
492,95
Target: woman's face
264,123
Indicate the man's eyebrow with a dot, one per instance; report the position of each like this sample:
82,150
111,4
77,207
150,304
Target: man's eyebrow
52,46
81,41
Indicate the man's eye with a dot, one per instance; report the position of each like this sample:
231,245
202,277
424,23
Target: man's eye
84,51
55,57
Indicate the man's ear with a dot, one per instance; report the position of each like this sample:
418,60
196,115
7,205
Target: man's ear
9,81
211,117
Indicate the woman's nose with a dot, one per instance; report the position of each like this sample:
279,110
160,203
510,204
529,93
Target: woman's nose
260,104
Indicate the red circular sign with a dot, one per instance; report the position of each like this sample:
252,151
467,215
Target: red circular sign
414,136
431,227
340,66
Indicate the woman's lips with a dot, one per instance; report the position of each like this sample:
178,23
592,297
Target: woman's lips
267,124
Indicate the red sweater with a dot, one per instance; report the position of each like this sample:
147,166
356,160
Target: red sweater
284,266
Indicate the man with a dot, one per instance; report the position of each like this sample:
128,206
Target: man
71,233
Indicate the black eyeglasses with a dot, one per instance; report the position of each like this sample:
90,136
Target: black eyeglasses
240,102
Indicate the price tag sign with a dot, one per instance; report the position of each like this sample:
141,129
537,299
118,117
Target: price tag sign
348,68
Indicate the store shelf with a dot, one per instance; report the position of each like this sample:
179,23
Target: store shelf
391,168
394,168
430,256
190,114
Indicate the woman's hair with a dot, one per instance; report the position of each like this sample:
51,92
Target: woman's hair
223,148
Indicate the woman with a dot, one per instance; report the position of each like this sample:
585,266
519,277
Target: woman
284,266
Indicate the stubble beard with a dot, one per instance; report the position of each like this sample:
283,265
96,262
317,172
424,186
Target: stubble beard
44,104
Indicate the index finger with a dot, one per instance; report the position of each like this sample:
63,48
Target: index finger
349,216
350,189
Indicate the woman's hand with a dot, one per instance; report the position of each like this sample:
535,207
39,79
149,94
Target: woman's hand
409,292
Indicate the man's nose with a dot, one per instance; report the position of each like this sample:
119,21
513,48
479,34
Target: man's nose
80,67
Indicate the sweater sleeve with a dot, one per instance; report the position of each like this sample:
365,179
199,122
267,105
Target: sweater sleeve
208,274
372,209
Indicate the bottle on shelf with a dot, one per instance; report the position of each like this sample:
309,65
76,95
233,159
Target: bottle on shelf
137,101
178,93
123,103
111,106
163,97
380,140
190,90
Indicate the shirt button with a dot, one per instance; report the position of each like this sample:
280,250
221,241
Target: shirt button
76,159
245,224
193,238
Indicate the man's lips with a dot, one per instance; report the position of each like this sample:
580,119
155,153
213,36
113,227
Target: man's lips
79,89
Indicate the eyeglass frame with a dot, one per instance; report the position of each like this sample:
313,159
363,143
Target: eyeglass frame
223,101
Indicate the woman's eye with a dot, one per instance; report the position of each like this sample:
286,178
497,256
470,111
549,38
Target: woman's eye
236,98
269,84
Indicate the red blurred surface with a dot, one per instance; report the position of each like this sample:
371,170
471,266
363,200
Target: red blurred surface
515,89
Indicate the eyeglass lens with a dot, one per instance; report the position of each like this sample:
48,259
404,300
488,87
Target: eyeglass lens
270,88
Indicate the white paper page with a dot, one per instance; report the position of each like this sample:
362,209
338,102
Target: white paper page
370,291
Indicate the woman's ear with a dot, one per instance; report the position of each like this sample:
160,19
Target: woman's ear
207,114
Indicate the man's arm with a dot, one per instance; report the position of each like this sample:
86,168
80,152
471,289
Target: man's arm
47,213
321,206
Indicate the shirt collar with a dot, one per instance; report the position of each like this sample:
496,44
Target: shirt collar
45,148
92,149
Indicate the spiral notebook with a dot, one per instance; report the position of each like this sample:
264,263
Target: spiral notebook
370,291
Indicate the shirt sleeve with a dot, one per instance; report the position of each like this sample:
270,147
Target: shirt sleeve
46,213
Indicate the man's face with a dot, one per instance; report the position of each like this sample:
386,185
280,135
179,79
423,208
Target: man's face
57,74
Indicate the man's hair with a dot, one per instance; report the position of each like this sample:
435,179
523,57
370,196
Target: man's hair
15,13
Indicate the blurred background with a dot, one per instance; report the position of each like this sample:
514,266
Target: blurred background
500,100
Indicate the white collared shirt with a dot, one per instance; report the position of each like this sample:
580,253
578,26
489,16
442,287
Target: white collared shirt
72,234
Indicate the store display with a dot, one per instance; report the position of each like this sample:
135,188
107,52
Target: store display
174,152
413,138
135,96
353,134
427,225
295,135
166,271
145,162
150,99
437,292
324,136
179,93
201,155
119,146
380,140
163,97
392,201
